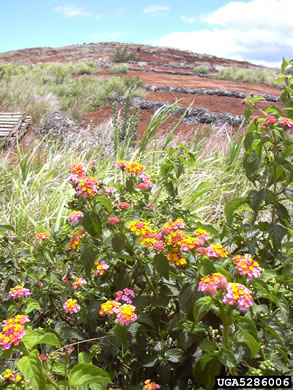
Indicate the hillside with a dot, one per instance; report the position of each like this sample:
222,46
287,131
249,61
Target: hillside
167,75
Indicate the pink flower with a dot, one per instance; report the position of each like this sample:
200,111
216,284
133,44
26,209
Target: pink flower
122,164
77,169
44,357
123,205
126,314
211,283
286,122
71,306
151,206
78,283
113,220
75,216
87,185
101,267
144,185
159,246
42,236
13,331
239,295
19,292
125,295
245,265
110,190
270,120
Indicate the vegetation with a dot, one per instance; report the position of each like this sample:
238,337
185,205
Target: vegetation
253,76
118,69
127,275
202,69
124,55
45,88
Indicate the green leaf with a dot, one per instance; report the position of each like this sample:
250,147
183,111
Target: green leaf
92,224
227,358
244,337
121,332
187,297
84,374
84,357
87,258
251,163
174,355
231,207
257,197
150,361
203,304
37,336
248,112
31,368
161,264
105,202
277,233
31,305
118,243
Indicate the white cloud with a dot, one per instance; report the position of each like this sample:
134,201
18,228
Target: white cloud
72,11
156,10
188,19
260,31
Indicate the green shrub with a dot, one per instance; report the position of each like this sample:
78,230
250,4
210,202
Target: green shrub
203,69
123,55
118,69
235,73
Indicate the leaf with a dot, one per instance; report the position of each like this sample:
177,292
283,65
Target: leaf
105,202
121,332
244,337
92,224
37,336
187,297
257,197
248,112
174,355
87,258
251,163
150,361
277,233
231,207
202,305
84,357
227,358
31,305
118,243
161,264
84,374
31,368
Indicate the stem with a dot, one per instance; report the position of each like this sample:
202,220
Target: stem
223,315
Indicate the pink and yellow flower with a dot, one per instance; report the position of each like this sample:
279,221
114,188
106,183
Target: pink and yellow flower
12,376
134,167
42,236
174,225
246,266
216,250
75,240
149,238
239,295
176,237
126,314
122,164
149,385
126,295
87,186
19,292
109,307
77,169
101,267
78,283
213,282
139,227
75,216
287,123
202,235
71,306
190,243
175,257
13,331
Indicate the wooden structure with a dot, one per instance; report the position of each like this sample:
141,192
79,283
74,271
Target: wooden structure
13,125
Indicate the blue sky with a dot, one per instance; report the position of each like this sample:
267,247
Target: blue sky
259,31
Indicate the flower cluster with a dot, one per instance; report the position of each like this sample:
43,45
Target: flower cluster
86,185
42,236
71,306
101,267
202,235
75,216
239,295
213,282
19,292
286,122
75,240
123,205
12,376
246,266
125,295
113,220
77,169
174,225
122,164
13,331
145,182
149,385
213,251
125,313
78,283
134,167
139,227
176,257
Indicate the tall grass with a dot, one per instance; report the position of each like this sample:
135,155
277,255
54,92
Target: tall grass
252,76
34,192
42,89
